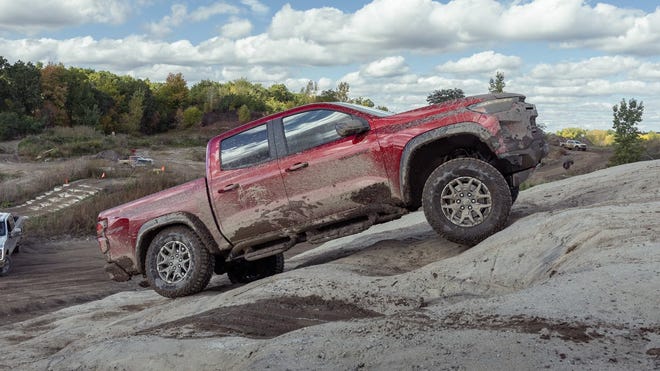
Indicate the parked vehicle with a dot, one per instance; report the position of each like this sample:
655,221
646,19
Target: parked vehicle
11,232
322,171
573,144
137,161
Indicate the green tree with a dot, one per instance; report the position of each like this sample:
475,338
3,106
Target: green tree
627,142
439,96
192,116
23,87
497,85
342,91
174,92
363,101
206,94
132,120
244,114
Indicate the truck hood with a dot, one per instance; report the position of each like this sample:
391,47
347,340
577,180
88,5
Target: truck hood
445,107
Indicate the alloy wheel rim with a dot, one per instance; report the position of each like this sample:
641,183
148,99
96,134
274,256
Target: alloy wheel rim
466,201
173,262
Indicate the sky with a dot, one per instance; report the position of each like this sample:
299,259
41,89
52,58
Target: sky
574,59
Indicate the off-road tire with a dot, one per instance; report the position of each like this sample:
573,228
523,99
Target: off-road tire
170,247
515,191
465,173
7,267
243,271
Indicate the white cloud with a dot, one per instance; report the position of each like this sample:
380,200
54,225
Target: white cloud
597,67
32,16
485,62
179,14
206,12
387,67
236,28
256,6
167,23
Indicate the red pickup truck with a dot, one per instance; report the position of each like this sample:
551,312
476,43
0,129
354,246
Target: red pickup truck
322,171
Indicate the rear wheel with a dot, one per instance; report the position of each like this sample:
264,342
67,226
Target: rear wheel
177,263
466,200
243,271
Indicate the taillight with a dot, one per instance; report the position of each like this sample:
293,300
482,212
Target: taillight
101,226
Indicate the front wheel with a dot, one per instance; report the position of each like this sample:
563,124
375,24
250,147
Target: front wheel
6,268
177,263
243,271
466,200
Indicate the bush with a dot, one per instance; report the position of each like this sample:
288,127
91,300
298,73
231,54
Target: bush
66,142
13,125
192,116
244,114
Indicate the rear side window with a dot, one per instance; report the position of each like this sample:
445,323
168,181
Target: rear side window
245,149
310,129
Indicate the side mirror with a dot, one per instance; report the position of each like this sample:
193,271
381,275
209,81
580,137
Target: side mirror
351,127
16,232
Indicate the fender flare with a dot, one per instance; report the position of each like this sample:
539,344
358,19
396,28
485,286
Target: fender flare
151,227
461,128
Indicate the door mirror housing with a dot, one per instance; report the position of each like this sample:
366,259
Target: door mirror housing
352,127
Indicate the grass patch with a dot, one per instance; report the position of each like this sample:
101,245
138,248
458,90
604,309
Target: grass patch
80,218
69,142
71,170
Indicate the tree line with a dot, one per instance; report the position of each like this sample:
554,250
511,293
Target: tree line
35,97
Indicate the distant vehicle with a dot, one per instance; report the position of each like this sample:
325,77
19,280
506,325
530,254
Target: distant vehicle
137,161
11,232
573,144
323,171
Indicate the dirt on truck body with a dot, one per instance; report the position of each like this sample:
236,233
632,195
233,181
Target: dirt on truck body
323,171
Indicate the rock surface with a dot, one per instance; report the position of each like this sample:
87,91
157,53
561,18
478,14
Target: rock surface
572,283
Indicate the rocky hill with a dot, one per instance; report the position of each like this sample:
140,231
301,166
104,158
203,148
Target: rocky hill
573,283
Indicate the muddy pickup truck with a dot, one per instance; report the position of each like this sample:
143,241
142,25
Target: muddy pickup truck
322,171
11,232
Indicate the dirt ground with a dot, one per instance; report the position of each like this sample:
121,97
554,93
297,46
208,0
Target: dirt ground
50,275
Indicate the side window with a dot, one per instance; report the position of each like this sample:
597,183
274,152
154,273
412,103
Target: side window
310,129
245,149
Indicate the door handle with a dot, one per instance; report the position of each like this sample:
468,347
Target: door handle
297,166
228,188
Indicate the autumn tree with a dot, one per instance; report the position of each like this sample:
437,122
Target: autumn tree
55,91
627,142
439,96
497,85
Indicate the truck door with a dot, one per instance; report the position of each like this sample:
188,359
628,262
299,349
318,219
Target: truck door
246,188
326,174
